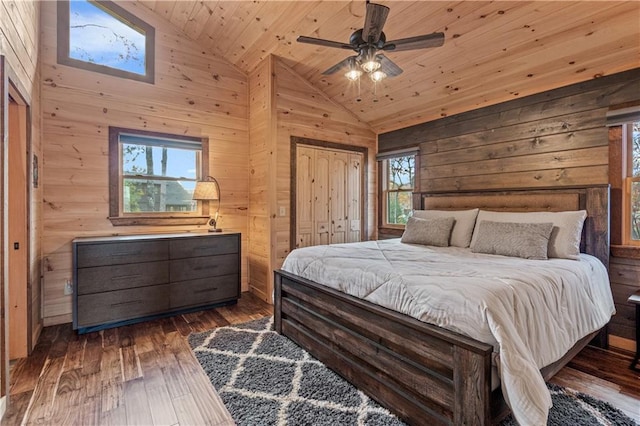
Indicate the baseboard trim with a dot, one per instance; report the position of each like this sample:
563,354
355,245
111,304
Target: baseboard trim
58,319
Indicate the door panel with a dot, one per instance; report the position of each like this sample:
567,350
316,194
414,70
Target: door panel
338,183
322,161
304,197
354,196
17,218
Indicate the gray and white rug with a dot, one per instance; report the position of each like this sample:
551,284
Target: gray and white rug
266,379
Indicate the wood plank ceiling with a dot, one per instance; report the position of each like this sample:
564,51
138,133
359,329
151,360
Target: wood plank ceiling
493,51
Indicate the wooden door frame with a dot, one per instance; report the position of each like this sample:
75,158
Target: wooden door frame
295,141
10,87
4,267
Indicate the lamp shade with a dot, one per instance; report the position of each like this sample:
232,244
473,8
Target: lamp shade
207,190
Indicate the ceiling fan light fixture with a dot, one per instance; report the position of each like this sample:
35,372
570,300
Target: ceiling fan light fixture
377,76
369,42
353,74
370,66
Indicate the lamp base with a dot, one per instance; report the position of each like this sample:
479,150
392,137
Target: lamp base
212,224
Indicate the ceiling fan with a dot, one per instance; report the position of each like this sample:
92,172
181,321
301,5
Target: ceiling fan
367,42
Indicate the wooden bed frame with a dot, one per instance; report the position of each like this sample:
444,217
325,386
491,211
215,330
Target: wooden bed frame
423,373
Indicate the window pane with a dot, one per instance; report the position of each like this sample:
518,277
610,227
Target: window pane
401,173
635,141
635,211
400,181
148,195
399,206
159,161
158,173
96,36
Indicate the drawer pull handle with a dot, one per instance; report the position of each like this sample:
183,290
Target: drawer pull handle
130,302
206,290
125,277
125,253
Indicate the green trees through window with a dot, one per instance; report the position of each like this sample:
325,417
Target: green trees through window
399,183
148,187
634,136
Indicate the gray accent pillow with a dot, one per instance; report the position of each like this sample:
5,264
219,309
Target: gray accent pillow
526,240
565,236
465,220
429,232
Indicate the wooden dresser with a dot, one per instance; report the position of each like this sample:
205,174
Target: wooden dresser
126,279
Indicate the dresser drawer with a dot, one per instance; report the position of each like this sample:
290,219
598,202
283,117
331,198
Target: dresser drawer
119,277
180,248
121,305
203,291
203,267
121,253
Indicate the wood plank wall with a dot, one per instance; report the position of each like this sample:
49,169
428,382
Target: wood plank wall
195,94
19,44
261,165
287,105
554,138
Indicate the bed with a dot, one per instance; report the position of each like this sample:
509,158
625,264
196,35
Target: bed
422,372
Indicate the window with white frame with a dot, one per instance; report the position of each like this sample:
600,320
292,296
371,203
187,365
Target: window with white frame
154,174
101,36
398,184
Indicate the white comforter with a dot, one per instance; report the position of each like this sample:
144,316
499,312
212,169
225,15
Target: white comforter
531,311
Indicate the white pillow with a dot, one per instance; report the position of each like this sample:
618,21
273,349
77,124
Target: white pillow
565,236
465,221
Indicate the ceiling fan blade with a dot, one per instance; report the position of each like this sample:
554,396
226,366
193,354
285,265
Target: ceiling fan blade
417,42
388,67
374,21
340,65
323,42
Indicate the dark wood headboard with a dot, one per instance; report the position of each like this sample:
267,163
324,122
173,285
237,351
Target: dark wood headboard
595,200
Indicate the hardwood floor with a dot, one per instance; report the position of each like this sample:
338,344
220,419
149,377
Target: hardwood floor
141,374
146,374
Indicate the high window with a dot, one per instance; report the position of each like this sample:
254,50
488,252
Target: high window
631,195
398,184
153,175
103,37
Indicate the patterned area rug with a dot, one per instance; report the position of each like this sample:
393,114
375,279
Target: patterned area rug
266,379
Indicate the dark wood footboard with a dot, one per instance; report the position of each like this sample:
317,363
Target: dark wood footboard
424,374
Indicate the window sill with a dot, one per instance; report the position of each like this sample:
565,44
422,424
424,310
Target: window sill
396,232
626,252
163,221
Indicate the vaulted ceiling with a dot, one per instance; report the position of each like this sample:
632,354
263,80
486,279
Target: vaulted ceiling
493,51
